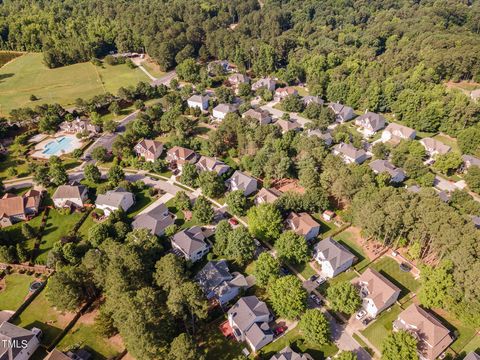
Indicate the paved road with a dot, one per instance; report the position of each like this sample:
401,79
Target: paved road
165,79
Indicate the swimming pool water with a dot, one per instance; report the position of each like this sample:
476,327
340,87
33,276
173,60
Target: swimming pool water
58,146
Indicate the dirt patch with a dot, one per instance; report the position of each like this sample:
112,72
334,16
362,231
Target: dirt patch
371,248
117,342
88,318
152,63
464,86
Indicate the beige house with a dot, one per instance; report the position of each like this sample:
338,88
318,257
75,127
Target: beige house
303,224
434,147
282,93
206,163
395,133
70,196
267,196
262,116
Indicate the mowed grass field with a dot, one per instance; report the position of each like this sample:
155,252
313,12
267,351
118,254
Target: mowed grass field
28,75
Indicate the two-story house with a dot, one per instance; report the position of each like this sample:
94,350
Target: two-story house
190,243
303,224
333,257
150,150
241,181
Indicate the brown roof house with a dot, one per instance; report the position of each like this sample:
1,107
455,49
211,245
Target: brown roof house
376,291
432,336
303,224
395,133
241,181
288,354
381,166
434,147
267,196
342,113
70,196
287,125
156,220
266,83
14,208
370,122
249,319
179,156
190,244
349,153
150,150
333,257
17,343
263,116
282,93
206,163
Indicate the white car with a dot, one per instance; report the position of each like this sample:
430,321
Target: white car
360,314
320,281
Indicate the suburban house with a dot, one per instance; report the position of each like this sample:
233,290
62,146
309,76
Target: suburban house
434,147
56,354
224,65
370,123
288,354
282,93
333,257
150,150
349,153
17,343
221,110
303,224
190,244
241,181
267,196
432,336
156,220
307,100
206,163
265,83
469,160
287,125
236,79
376,291
475,95
325,136
79,125
114,200
218,283
472,356
262,116
383,166
70,196
14,208
396,132
342,113
198,101
178,156
249,319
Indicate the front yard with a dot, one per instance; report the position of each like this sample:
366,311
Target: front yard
15,288
378,330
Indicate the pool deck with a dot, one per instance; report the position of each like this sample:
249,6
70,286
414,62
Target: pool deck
40,147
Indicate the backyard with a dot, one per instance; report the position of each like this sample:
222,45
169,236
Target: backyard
14,290
213,341
391,270
347,238
27,75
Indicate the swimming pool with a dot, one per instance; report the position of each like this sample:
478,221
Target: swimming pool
59,146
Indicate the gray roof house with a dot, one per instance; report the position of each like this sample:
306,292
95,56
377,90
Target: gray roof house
222,110
434,147
206,163
395,133
241,181
476,221
469,160
190,243
325,136
156,220
472,356
342,113
249,319
198,101
333,257
288,354
113,200
267,83
263,116
380,166
218,283
349,153
70,195
307,100
370,123
17,343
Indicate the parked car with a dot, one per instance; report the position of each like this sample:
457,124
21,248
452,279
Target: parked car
360,314
233,221
284,271
320,281
316,299
280,330
366,321
313,278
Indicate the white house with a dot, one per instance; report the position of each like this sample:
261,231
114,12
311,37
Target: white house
370,122
377,292
70,195
383,166
333,257
349,153
241,181
396,132
222,110
249,319
342,113
190,244
206,163
198,101
17,343
113,200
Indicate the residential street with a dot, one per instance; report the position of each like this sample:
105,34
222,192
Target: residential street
278,113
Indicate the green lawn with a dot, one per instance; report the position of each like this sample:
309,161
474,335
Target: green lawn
378,330
152,69
8,161
327,228
87,225
447,140
87,336
391,270
142,200
15,291
347,239
27,75
464,332
295,340
57,226
305,269
42,315
214,343
180,221
345,276
473,345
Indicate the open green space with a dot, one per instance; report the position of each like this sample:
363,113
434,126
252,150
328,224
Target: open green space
142,200
294,339
378,330
447,140
180,220
473,345
15,290
87,337
327,228
152,69
27,76
391,270
58,225
305,269
40,314
347,239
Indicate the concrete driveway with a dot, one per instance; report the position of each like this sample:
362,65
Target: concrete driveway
278,113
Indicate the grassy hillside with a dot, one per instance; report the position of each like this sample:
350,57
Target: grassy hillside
27,75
